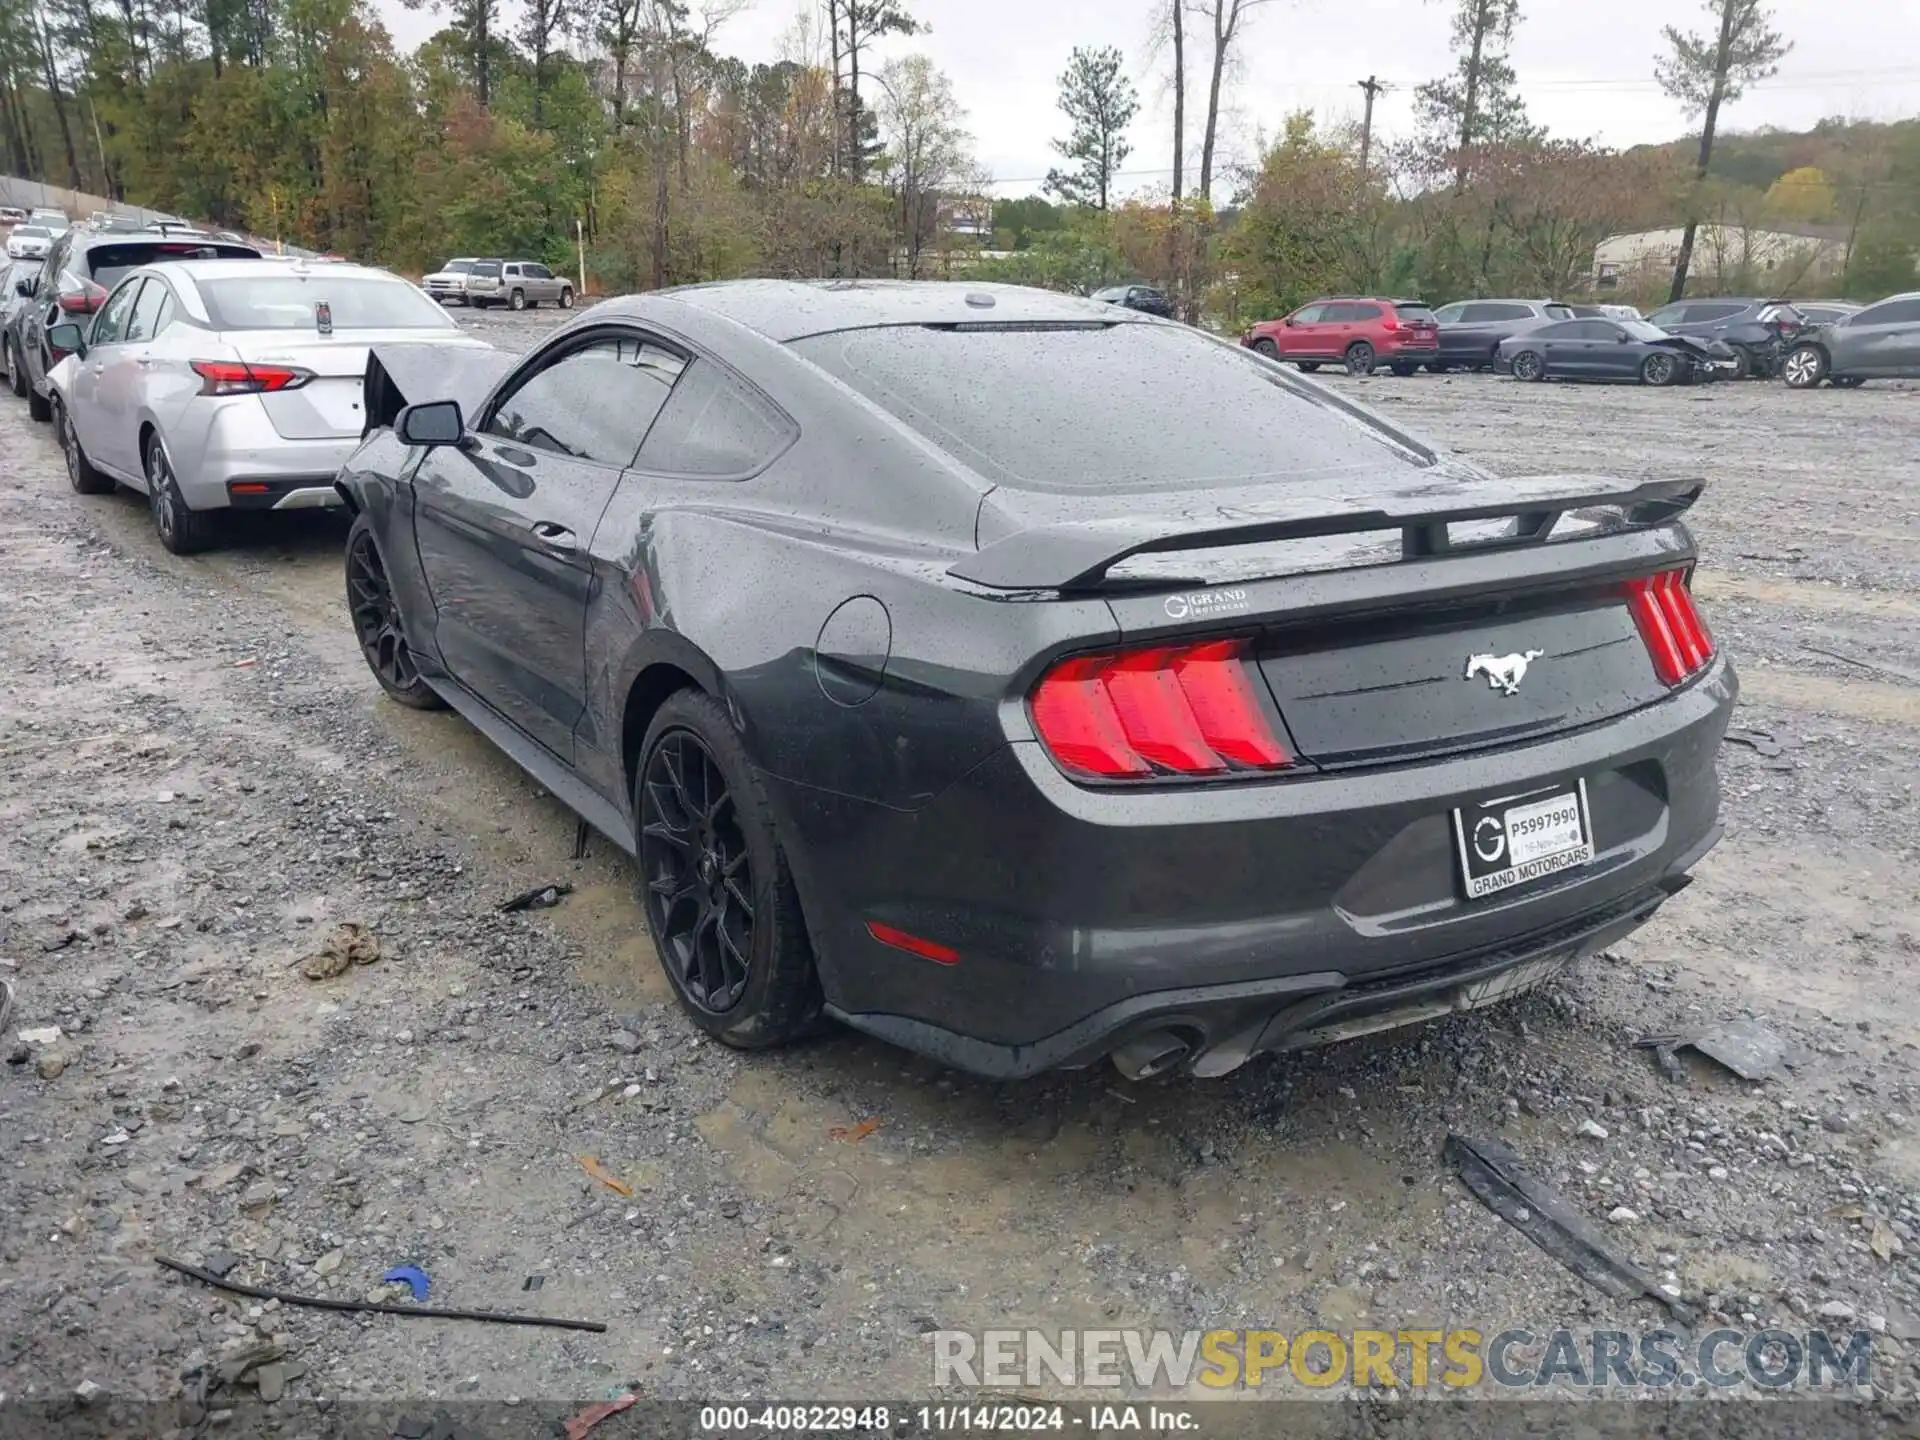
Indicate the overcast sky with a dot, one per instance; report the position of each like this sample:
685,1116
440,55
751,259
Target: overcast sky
1585,67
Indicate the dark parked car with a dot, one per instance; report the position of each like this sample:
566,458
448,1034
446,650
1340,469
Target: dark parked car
1360,332
1471,330
1148,299
910,637
17,279
81,270
1881,342
1760,332
1611,350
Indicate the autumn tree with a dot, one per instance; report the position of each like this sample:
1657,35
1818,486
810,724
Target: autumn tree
1099,100
1706,72
1803,193
926,149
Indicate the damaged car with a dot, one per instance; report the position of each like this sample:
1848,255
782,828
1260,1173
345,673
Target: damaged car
1032,682
1631,350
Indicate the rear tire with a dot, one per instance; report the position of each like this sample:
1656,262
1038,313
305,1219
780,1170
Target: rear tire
39,407
744,972
1806,367
1530,366
517,300
80,472
1307,367
181,530
16,371
1438,367
1742,362
1403,370
1361,358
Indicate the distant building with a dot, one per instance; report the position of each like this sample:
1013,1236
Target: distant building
970,216
1725,257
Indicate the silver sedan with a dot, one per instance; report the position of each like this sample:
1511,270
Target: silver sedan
212,385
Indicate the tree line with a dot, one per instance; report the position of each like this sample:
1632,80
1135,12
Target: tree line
627,126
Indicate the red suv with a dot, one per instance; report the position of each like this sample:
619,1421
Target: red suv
1358,332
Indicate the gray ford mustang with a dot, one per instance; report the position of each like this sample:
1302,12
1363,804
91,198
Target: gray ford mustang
1030,681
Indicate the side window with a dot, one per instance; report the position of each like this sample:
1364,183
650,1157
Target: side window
1310,314
1361,312
539,272
50,272
1475,314
1337,314
513,269
1697,313
1595,330
1511,312
110,324
593,403
713,425
145,323
1894,312
1669,315
1450,314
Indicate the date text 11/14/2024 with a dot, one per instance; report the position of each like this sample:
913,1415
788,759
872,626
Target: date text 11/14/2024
742,1420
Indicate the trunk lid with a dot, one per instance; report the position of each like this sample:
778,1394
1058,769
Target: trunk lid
331,405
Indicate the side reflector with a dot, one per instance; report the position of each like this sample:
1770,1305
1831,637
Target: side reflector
1670,626
913,944
1166,710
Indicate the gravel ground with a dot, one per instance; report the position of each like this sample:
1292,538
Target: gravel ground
200,780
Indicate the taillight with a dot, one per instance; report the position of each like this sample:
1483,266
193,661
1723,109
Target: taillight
236,377
1390,323
78,295
1168,710
1670,625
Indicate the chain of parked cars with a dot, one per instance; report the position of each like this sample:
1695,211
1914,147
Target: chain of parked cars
1807,343
516,284
198,368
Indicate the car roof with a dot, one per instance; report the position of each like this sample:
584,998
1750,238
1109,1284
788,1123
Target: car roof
241,266
784,310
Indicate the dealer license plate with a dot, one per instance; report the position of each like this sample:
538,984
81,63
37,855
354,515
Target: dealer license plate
1516,838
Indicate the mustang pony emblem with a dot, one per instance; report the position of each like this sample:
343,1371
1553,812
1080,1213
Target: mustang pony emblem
1504,672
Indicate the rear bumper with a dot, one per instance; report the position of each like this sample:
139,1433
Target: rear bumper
309,492
1396,347
217,448
1243,917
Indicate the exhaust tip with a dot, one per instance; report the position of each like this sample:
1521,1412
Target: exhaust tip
1151,1054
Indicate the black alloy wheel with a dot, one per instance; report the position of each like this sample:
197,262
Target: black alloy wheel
699,873
376,623
1360,358
1659,369
1528,365
80,472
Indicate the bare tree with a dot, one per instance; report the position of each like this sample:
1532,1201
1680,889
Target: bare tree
1703,74
1225,17
859,23
926,148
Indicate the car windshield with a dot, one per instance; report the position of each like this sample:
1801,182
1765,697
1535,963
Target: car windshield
457,267
486,267
30,232
1112,292
291,302
1093,406
1641,330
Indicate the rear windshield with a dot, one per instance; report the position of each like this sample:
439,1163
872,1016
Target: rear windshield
1559,312
1104,407
486,267
290,302
1415,312
107,264
457,267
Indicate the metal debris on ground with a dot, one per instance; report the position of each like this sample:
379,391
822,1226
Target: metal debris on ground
1757,740
347,945
43,1035
541,897
374,1307
533,1282
854,1134
1498,1178
580,1424
1746,1047
411,1276
599,1172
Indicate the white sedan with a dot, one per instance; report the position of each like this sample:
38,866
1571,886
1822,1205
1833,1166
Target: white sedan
212,385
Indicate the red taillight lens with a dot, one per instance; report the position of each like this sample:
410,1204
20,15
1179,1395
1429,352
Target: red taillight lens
78,295
1676,637
1170,710
913,944
236,377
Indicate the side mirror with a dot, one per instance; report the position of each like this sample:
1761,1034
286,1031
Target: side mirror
1287,321
67,339
436,422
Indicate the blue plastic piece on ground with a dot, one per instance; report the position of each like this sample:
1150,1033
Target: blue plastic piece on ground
409,1275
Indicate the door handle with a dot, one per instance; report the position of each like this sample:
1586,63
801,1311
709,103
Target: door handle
554,537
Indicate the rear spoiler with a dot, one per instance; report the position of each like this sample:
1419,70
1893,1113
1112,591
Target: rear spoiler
1077,556
411,372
